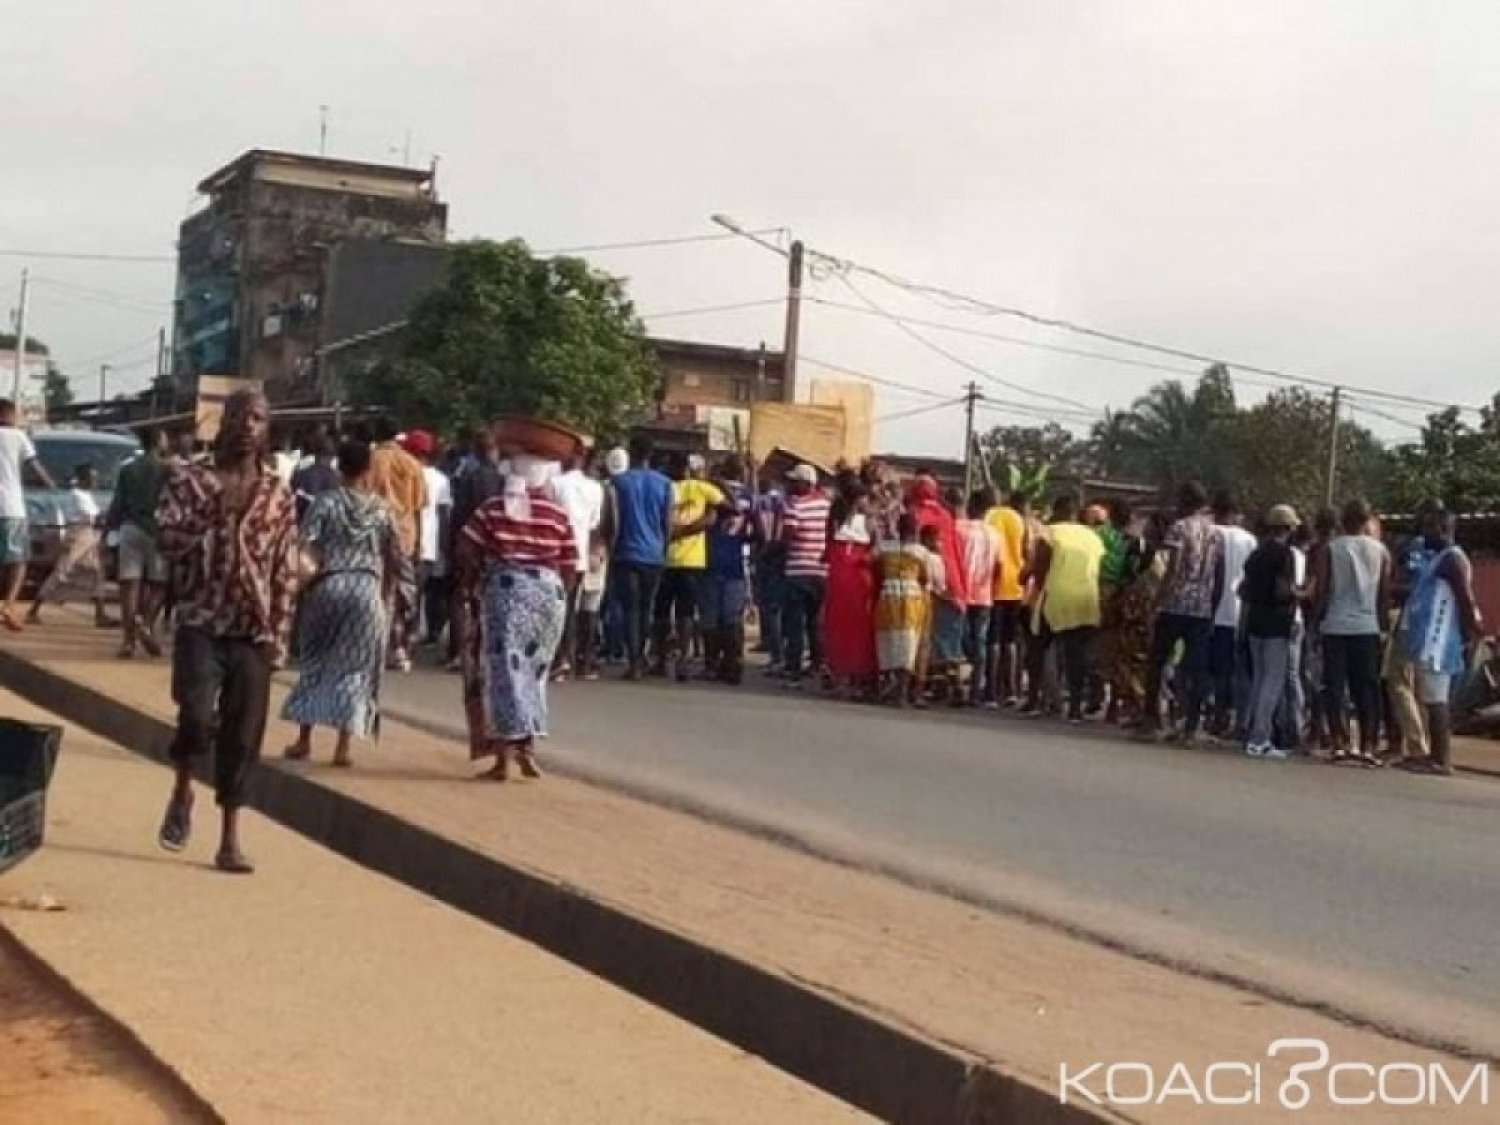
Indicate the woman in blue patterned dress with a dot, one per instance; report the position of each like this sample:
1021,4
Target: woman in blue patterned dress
516,554
341,628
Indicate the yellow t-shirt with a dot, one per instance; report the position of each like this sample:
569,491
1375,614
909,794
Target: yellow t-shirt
690,500
1070,599
1012,528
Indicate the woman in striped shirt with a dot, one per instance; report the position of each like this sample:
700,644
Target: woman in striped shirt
517,553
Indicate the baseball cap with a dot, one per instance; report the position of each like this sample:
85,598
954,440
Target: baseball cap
419,443
804,473
1282,515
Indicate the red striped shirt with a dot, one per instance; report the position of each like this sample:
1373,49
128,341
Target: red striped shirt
544,538
805,527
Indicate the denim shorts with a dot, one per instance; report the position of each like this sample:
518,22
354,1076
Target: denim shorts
15,544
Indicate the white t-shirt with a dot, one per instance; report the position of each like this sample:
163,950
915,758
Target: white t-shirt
582,497
439,495
82,507
15,450
1237,545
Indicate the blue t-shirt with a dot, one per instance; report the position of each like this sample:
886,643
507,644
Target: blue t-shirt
643,497
729,534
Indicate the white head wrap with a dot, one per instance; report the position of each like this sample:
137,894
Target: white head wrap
523,474
616,461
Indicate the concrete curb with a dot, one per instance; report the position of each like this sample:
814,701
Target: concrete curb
852,1054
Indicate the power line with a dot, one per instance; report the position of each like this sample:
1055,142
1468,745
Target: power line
649,243
103,297
124,349
949,298
715,308
70,256
803,357
930,408
950,356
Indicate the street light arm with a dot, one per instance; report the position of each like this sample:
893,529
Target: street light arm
733,227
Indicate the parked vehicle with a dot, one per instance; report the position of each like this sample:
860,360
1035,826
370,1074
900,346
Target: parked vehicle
61,452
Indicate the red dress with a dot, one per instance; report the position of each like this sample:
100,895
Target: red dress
849,612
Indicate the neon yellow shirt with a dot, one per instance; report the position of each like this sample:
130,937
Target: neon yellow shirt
1070,598
1012,528
690,500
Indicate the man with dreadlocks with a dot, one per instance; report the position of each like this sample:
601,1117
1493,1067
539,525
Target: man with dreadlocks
231,528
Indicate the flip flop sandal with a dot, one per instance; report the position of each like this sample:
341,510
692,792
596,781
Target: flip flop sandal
176,826
295,753
233,863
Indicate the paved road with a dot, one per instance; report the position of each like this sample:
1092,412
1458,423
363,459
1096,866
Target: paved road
1375,891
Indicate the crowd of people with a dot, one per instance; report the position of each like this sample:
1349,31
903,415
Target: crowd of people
1184,624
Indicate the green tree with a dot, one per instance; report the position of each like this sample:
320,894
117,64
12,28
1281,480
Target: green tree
509,333
1170,433
1453,460
1277,452
59,393
1025,458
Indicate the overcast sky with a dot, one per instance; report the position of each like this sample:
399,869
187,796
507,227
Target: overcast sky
1305,185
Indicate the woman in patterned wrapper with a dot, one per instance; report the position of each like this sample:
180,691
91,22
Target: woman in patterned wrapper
515,556
341,628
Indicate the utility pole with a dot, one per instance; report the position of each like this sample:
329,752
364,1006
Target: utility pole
103,380
163,368
793,321
971,397
15,390
1333,443
322,130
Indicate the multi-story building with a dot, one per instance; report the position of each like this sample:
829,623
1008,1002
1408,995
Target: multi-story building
253,264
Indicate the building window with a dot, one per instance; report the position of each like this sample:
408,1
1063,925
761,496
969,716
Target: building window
690,379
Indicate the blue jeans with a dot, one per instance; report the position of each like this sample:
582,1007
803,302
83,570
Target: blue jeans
1270,657
1192,680
770,594
802,609
1227,659
636,585
1291,716
721,602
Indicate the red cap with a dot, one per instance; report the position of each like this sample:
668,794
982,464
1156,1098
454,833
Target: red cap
419,443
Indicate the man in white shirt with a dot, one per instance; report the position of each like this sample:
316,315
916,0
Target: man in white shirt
1229,669
17,457
582,497
432,537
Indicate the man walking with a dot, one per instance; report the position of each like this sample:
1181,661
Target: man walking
432,540
17,458
643,527
142,569
232,526
722,607
1010,521
805,531
1185,612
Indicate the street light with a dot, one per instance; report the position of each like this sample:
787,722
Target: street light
793,299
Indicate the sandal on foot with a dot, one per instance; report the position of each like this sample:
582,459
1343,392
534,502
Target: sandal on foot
176,825
297,753
233,863
526,762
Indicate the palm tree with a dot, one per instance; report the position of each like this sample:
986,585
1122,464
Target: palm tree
1171,434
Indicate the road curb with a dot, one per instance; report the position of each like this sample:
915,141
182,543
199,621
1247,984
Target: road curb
850,1053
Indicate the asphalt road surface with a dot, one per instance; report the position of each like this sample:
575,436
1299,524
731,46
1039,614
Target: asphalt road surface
1375,892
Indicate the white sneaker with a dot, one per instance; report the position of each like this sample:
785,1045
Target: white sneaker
1274,752
1256,749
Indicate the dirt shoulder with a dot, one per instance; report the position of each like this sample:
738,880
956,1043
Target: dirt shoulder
62,1061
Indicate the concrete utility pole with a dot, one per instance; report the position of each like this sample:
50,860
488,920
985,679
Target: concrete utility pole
1333,443
103,380
20,367
793,321
322,130
971,397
